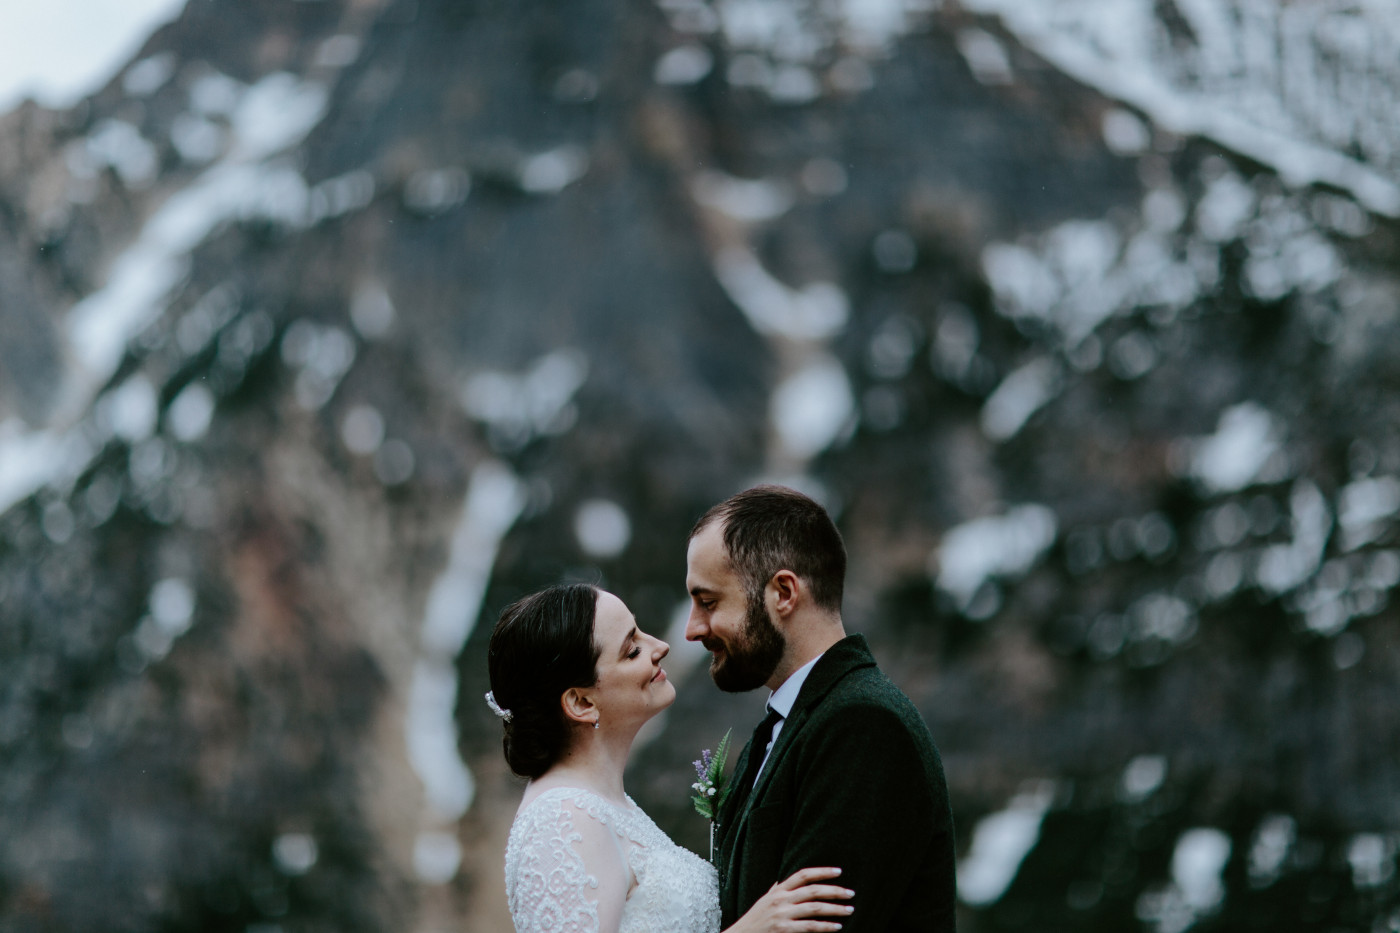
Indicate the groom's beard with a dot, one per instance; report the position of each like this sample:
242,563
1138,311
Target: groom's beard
751,660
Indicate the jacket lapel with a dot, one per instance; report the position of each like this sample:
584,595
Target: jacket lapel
733,802
728,835
849,654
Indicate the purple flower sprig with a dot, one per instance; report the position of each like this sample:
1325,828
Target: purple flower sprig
711,784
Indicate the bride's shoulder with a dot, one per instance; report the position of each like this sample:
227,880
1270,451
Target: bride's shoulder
552,798
537,791
572,814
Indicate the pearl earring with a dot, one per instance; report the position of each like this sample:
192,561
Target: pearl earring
595,723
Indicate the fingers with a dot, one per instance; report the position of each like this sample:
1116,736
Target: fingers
807,907
821,909
806,903
805,876
822,892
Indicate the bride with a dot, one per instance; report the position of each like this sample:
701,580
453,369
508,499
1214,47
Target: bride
573,678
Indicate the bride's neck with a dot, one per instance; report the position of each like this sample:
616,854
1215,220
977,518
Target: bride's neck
595,761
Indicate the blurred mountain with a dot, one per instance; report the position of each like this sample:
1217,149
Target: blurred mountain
329,327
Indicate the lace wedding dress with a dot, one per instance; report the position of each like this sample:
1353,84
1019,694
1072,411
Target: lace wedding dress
576,863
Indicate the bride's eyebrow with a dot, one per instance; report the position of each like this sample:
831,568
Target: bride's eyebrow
631,637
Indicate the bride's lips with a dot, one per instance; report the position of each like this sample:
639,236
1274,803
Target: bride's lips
659,676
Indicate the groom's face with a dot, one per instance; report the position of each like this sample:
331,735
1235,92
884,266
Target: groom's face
732,624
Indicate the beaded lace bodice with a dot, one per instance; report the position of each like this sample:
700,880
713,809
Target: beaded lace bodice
576,863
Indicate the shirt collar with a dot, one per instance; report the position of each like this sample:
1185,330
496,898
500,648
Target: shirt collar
786,695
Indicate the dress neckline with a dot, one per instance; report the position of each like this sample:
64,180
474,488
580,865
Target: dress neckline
569,790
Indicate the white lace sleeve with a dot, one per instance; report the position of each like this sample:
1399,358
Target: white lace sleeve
565,869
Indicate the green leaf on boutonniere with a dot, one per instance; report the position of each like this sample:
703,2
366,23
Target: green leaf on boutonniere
711,784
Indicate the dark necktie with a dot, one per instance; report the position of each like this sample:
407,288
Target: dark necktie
758,747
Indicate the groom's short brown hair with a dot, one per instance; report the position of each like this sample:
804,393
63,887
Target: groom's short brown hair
770,528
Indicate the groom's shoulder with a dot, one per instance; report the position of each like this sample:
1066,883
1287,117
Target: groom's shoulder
854,685
869,686
869,691
868,711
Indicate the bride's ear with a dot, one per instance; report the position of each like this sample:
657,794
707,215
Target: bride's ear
579,707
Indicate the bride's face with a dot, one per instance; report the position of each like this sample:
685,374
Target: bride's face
631,685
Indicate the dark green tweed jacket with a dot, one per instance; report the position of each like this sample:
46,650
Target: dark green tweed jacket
854,781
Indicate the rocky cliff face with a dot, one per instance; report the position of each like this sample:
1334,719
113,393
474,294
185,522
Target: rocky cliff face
328,328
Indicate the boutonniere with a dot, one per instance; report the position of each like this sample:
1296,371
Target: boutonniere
711,785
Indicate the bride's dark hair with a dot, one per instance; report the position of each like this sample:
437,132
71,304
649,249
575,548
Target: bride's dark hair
542,645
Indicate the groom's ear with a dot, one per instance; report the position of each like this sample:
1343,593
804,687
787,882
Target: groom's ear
578,706
785,592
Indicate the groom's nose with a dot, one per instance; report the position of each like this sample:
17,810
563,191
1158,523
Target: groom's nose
695,629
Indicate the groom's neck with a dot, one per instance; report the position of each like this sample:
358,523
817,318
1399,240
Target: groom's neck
807,637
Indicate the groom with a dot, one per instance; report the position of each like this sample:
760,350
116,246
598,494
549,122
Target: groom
843,770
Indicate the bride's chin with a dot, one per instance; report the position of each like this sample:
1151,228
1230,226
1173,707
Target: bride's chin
668,695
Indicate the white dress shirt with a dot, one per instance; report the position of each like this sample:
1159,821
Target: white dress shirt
781,702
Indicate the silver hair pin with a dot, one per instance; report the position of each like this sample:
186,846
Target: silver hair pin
495,707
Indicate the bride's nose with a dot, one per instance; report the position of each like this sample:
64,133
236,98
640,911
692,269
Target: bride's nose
662,649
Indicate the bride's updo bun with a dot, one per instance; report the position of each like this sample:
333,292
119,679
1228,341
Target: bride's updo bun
542,645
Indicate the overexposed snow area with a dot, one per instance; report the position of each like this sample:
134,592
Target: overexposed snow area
1000,843
247,182
59,51
1196,888
494,500
984,549
784,48
1310,89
